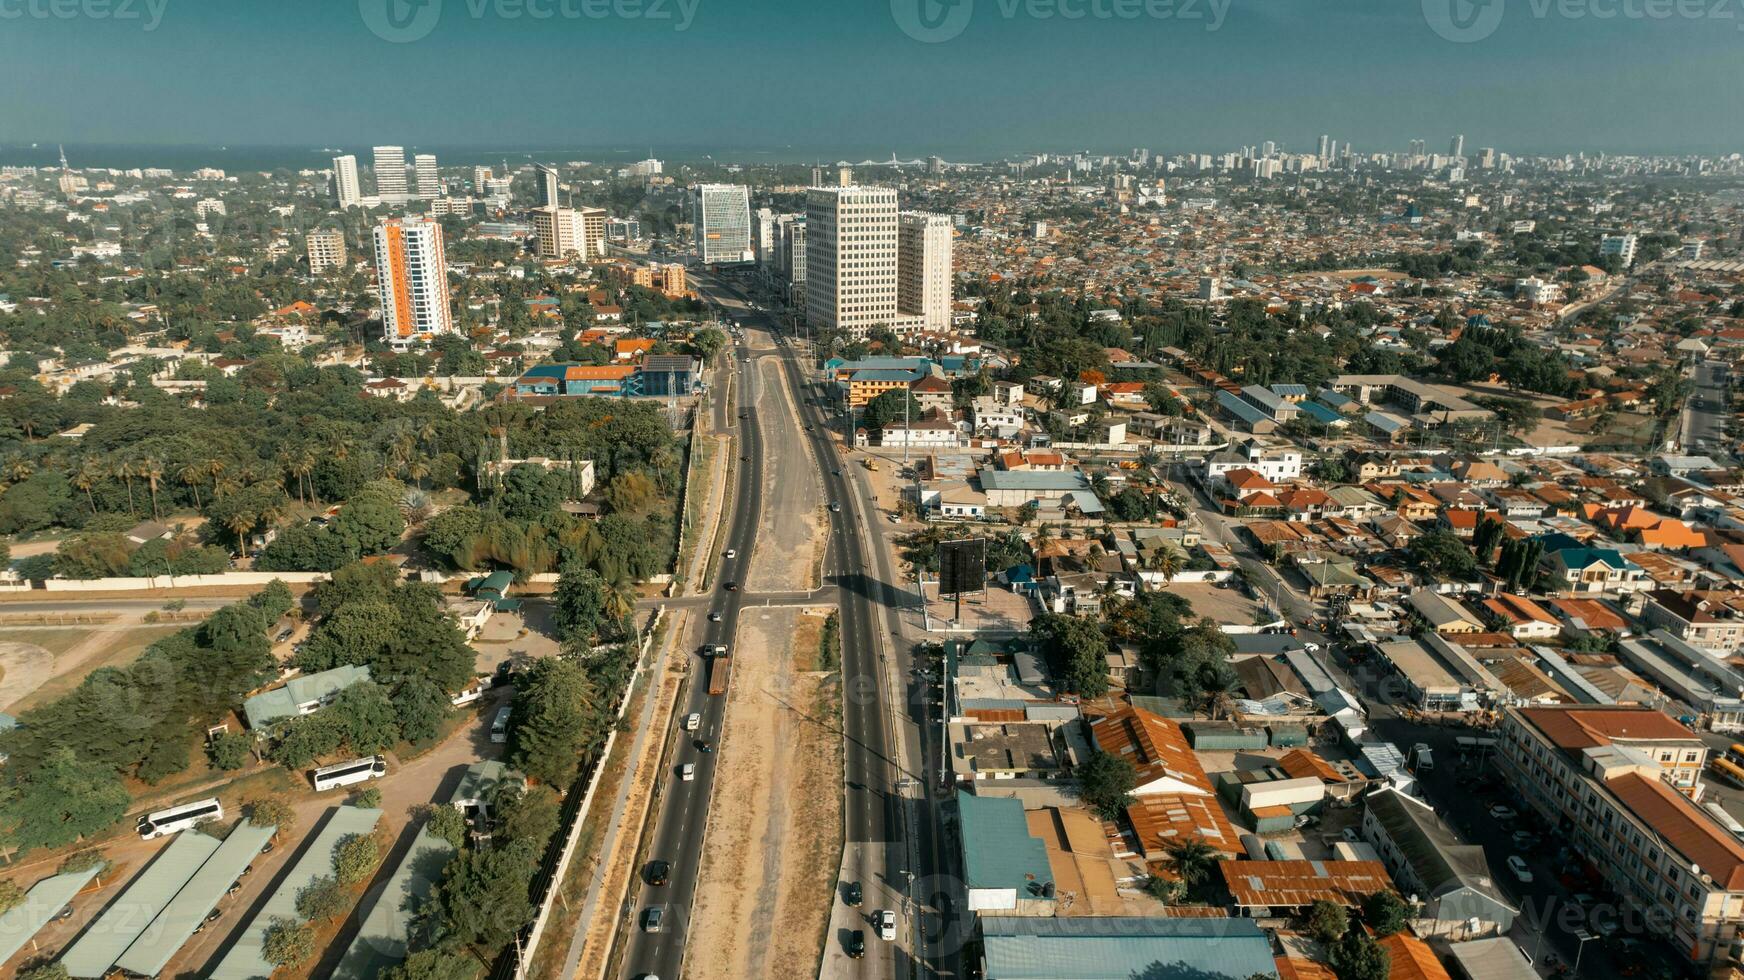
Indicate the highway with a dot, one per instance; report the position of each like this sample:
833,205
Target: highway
890,812
680,824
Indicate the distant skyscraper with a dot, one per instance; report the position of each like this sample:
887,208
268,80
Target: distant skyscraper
1456,146
850,258
412,279
1419,148
722,216
429,181
844,176
763,237
559,232
923,268
817,177
1325,147
347,191
390,174
791,250
1269,149
593,231
548,186
326,250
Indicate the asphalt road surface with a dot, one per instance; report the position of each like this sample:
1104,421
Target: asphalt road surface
678,834
1703,427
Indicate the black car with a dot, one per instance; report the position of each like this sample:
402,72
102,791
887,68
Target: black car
704,745
732,586
853,894
856,944
659,872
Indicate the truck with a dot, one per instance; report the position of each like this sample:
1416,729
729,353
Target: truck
720,670
871,464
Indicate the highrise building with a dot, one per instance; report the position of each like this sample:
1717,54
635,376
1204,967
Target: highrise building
1325,153
429,181
390,174
593,231
1622,246
1456,146
559,232
480,177
923,268
763,237
850,259
326,250
549,188
412,280
844,176
722,217
347,190
791,253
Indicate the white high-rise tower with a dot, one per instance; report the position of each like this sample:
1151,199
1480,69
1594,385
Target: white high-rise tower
390,174
429,181
347,190
412,279
923,268
723,223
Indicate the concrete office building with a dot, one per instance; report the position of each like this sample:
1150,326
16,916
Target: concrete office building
923,268
851,261
390,174
347,190
722,217
326,250
429,181
412,279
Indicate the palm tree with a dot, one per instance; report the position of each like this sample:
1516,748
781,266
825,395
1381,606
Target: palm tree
1167,560
240,522
303,465
123,468
620,599
152,470
18,469
1043,538
1191,860
192,474
88,475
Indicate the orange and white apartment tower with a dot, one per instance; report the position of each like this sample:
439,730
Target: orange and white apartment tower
412,277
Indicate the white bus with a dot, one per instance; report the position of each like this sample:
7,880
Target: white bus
500,726
179,818
346,773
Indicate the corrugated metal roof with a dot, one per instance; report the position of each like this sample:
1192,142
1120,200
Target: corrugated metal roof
381,940
998,851
45,899
282,702
1121,947
127,917
176,923
244,961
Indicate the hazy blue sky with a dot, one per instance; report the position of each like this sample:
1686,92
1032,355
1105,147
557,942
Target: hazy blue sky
843,75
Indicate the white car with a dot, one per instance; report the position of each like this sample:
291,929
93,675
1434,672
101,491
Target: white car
687,772
1517,864
732,553
692,721
885,920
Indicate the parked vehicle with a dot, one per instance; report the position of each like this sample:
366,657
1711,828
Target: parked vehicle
178,818
350,773
1517,864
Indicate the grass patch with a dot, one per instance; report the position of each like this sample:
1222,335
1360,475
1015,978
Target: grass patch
127,647
830,644
56,642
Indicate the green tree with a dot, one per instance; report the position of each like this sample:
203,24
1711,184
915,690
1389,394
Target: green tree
1327,921
558,721
368,799
11,895
1385,912
433,964
1105,784
323,899
579,603
64,800
532,815
355,858
1440,552
288,943
449,824
47,971
889,407
274,812
1191,860
483,897
1356,956
229,750
1076,651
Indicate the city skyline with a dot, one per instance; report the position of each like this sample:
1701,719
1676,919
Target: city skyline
1540,84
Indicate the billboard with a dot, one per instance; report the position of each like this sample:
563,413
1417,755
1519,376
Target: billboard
962,566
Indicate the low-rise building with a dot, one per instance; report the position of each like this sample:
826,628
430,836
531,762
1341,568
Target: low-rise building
1451,880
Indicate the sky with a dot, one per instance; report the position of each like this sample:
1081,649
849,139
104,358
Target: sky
967,79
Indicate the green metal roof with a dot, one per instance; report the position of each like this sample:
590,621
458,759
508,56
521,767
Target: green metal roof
46,898
1121,948
151,952
479,782
382,940
244,961
126,919
998,851
283,702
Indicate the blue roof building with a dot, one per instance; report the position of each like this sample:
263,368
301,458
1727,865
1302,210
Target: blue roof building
1004,868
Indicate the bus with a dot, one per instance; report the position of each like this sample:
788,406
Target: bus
500,725
346,773
1729,765
179,818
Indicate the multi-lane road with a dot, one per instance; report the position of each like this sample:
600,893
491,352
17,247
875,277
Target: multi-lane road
1702,429
680,824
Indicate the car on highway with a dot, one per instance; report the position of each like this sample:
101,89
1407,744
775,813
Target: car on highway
853,894
855,946
732,553
651,919
714,617
885,919
687,772
835,508
704,745
1517,865
692,721
659,872
731,586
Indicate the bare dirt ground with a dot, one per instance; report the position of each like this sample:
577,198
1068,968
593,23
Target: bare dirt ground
790,535
25,667
775,820
72,654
